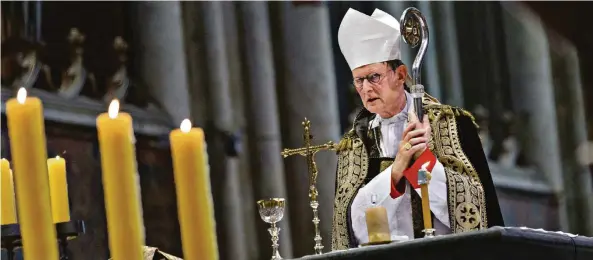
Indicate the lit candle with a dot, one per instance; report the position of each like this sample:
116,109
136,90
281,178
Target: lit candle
58,186
377,223
120,184
26,131
8,205
194,201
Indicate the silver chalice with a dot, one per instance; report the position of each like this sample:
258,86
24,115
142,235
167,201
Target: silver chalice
272,211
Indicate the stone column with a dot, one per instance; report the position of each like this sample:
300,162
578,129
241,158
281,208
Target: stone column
445,40
161,61
196,63
307,89
584,190
267,166
528,57
430,69
224,168
573,132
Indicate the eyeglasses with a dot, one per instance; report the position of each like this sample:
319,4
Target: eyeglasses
373,78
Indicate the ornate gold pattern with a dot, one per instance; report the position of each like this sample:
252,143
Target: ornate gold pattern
385,164
352,169
412,32
467,215
464,186
467,205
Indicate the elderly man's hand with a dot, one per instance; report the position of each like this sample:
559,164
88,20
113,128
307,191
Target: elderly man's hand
424,125
413,142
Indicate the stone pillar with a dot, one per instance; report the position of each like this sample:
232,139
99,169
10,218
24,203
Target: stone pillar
445,40
528,57
584,190
161,61
573,132
307,89
224,168
430,69
267,166
196,63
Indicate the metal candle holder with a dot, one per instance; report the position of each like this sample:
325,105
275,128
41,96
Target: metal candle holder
11,236
309,151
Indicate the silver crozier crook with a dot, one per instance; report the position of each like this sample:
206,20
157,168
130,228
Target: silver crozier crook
414,30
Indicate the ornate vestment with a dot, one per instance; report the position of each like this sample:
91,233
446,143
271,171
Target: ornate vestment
472,200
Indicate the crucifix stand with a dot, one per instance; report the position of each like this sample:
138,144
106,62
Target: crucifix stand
309,151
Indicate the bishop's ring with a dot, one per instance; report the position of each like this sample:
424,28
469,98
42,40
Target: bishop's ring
408,146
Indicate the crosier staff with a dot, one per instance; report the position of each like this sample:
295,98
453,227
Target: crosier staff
414,30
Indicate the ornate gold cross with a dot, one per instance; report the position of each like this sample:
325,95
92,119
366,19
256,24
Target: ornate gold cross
309,151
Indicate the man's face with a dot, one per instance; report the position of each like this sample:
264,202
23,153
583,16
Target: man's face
380,87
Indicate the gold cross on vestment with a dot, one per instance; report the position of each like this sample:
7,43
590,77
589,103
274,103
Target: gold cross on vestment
309,151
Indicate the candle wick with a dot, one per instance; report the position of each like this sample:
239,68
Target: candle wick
374,199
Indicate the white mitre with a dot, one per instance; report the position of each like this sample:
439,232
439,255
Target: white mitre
367,39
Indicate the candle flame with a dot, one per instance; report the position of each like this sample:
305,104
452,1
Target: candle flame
185,125
57,157
21,96
113,109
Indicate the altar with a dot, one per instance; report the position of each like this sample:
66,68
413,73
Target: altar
508,243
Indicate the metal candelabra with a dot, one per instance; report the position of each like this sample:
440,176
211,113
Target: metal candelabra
11,237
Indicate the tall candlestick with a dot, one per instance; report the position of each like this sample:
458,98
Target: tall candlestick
423,180
8,205
120,184
194,201
426,207
26,131
58,186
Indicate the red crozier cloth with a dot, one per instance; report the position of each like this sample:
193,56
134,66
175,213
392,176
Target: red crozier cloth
411,174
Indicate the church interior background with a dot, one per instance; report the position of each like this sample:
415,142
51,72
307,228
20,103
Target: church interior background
250,72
